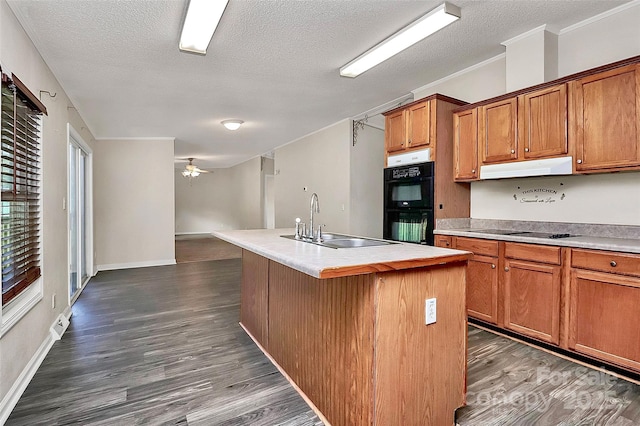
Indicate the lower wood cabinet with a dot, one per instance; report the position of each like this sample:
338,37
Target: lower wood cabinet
532,299
586,301
532,286
603,318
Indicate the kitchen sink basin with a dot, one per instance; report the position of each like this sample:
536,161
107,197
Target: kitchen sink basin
343,241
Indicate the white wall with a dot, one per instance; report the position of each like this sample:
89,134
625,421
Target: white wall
366,174
224,199
320,162
22,342
134,203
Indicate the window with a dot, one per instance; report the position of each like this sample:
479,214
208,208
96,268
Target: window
20,124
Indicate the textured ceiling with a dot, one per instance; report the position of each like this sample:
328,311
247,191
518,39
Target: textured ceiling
273,64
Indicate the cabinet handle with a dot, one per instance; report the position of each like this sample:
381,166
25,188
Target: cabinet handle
579,161
526,150
493,266
613,263
513,151
409,141
506,269
473,170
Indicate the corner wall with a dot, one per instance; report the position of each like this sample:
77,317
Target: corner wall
134,203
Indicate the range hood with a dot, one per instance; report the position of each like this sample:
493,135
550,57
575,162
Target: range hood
546,167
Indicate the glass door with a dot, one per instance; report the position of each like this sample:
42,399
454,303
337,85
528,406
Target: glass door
78,209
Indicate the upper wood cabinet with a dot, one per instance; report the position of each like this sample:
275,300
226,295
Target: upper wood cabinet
465,145
408,128
606,120
395,132
497,131
542,123
419,125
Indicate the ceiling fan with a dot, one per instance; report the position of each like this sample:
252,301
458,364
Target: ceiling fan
191,170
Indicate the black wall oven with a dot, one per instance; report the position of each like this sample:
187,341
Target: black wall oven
408,203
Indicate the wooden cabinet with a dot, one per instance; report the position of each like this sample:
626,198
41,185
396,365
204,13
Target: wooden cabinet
532,285
604,306
606,120
408,128
465,145
442,241
497,131
542,123
395,132
482,278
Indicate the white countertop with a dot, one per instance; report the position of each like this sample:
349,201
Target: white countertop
627,245
325,262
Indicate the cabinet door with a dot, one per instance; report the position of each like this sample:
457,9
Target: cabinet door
607,119
532,299
395,133
482,288
603,321
418,121
542,121
497,131
465,141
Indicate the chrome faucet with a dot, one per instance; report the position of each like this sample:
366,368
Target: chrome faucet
314,203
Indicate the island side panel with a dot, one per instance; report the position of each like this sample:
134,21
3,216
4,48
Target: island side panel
420,369
254,295
321,334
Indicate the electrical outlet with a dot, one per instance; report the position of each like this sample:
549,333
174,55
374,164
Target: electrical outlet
430,311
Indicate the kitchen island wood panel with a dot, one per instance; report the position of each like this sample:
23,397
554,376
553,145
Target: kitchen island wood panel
254,296
416,372
321,334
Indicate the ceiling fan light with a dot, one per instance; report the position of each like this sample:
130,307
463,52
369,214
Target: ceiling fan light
185,173
232,124
423,27
195,173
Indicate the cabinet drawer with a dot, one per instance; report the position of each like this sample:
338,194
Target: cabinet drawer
442,241
478,246
532,252
616,263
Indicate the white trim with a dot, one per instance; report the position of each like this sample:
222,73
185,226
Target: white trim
596,18
20,306
194,233
112,266
12,397
459,73
61,324
524,35
309,134
146,138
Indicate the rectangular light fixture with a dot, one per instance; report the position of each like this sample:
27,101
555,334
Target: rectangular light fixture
200,23
421,28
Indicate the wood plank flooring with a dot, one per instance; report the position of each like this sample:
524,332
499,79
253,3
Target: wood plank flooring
162,345
199,247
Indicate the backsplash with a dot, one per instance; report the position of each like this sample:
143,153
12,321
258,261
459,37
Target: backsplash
612,199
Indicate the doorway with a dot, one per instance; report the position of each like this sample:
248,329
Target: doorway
79,208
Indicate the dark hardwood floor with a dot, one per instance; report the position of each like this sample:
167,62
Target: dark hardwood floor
162,345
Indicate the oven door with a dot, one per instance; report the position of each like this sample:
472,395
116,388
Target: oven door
415,226
409,187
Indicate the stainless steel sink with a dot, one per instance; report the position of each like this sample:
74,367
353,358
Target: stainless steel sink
336,241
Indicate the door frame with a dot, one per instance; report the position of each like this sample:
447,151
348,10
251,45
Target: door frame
74,138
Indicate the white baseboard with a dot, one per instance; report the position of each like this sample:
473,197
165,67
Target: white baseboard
12,397
112,266
194,233
61,324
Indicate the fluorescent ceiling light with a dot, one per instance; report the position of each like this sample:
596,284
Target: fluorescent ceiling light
232,124
200,23
423,27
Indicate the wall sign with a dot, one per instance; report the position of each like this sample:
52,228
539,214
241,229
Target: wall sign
539,195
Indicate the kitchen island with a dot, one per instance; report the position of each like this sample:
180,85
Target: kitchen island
347,326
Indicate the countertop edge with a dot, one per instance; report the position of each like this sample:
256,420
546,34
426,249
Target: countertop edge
348,270
584,242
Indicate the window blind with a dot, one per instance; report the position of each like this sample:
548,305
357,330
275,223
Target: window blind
20,180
